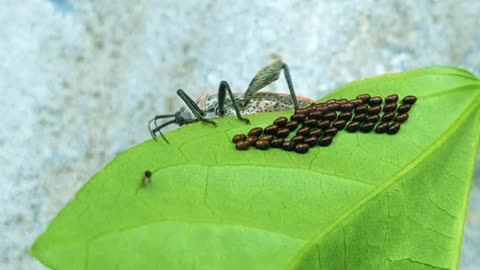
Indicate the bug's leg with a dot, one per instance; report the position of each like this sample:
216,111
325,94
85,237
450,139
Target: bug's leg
159,130
286,73
222,89
199,113
192,105
266,76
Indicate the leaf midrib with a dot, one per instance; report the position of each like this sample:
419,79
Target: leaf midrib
393,180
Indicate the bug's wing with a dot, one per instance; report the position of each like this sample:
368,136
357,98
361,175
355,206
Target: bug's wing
264,77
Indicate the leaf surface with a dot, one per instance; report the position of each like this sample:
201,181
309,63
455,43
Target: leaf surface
368,201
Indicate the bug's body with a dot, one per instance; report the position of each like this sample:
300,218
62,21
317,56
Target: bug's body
260,102
210,106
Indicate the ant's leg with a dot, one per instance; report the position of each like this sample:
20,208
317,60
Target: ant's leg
194,107
266,76
221,101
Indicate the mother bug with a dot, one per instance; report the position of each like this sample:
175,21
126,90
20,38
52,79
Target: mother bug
218,105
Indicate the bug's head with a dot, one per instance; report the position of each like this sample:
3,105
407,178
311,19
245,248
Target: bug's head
181,117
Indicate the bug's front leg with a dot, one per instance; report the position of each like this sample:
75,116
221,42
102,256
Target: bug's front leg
222,89
199,113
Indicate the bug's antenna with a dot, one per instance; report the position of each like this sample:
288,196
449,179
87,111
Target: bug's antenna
159,117
162,126
158,128
155,122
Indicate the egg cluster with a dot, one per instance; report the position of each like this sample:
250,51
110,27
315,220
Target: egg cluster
318,123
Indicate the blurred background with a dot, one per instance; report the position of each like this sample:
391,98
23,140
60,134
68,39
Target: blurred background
80,79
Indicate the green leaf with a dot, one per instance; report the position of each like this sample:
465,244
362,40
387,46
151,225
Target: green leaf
368,201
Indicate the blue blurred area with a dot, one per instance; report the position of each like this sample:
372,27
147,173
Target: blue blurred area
62,5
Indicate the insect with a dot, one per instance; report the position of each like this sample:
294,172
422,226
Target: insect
209,106
147,179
